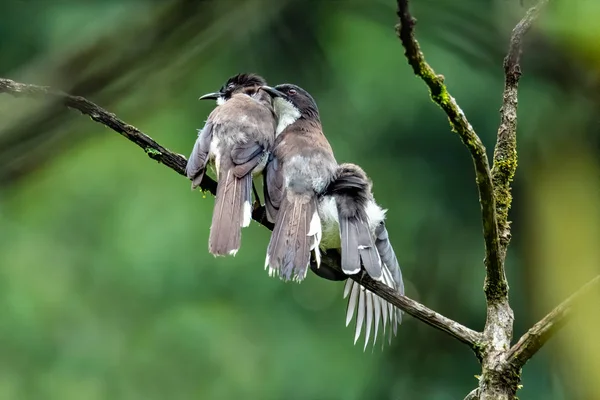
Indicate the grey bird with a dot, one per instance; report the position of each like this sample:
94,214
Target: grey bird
235,142
352,220
318,205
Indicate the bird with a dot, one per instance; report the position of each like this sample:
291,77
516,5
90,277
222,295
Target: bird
300,168
346,205
235,141
319,206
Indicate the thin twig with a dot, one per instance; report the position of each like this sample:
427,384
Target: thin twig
459,123
531,342
177,163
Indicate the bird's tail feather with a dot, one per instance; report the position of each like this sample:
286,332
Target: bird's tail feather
296,233
352,192
232,211
358,245
371,310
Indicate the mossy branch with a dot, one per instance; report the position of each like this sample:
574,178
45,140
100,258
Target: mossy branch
499,379
177,163
495,276
505,152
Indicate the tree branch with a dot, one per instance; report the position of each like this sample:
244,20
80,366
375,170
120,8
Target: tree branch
495,279
497,381
531,342
422,313
505,153
177,163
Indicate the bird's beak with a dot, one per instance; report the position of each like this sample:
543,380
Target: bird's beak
272,91
210,96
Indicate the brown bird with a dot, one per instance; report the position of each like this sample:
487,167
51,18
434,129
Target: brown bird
300,168
235,141
317,205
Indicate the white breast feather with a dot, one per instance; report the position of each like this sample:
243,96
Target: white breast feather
286,112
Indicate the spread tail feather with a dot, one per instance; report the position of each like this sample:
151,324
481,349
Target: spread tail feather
232,211
369,308
296,233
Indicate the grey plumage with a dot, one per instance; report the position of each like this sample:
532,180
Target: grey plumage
356,208
351,190
235,141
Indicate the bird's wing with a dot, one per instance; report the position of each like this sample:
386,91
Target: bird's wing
196,164
257,124
273,187
386,252
245,157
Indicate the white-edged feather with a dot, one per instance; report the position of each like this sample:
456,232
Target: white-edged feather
384,311
377,309
247,214
347,287
389,281
360,314
369,317
352,303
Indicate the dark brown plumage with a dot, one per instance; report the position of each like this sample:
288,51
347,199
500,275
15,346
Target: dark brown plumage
235,141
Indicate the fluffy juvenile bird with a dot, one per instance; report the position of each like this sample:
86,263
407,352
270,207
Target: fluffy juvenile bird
235,142
318,205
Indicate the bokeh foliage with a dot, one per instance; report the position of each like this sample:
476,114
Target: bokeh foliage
107,289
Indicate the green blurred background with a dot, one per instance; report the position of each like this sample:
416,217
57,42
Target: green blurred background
107,290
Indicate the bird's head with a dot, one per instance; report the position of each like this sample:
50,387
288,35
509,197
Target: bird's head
248,83
291,103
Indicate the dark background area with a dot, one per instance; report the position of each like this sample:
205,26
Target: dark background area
107,290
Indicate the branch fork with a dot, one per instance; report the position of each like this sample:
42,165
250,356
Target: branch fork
501,363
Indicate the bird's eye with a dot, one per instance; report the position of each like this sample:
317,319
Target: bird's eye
292,91
230,86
